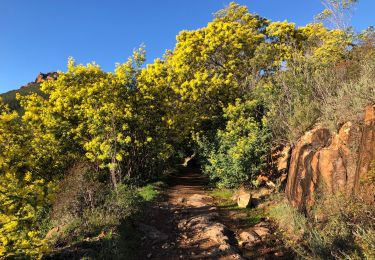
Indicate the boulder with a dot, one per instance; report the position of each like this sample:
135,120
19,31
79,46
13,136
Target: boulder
243,198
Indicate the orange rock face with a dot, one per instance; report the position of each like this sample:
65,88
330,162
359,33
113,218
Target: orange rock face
302,179
334,164
366,158
367,147
331,162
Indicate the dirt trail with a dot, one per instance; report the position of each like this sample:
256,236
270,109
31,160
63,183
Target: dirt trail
185,223
182,224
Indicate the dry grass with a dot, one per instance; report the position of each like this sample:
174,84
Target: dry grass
336,228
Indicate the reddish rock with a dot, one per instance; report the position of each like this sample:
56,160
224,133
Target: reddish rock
302,179
53,233
249,237
39,78
262,231
333,165
367,146
366,158
46,76
199,200
330,162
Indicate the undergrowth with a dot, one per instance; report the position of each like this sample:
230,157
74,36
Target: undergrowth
336,228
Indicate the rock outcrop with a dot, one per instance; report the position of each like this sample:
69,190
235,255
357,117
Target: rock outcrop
302,179
367,146
330,162
335,164
46,76
366,158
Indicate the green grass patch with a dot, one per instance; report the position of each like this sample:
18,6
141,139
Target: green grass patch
150,191
254,218
223,193
223,197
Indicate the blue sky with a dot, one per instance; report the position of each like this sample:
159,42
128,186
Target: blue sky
39,35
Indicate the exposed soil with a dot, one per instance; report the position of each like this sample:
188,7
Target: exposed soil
186,223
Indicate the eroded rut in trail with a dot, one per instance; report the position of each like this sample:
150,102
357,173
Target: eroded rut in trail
185,223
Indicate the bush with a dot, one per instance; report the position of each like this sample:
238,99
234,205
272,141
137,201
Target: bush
148,192
307,92
79,190
239,152
293,103
348,102
85,206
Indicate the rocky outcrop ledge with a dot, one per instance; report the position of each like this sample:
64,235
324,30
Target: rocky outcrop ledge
331,162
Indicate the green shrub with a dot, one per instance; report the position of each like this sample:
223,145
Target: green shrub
239,152
122,203
148,192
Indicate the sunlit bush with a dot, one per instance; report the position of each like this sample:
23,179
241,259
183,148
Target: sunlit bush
240,151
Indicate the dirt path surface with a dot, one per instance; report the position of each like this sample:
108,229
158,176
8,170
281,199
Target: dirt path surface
185,224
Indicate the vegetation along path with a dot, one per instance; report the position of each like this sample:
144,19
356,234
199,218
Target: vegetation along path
186,222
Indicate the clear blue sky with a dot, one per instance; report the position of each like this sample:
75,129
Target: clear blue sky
39,35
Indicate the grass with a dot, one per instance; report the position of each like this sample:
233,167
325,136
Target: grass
122,243
224,200
223,193
254,219
223,197
337,227
290,221
150,191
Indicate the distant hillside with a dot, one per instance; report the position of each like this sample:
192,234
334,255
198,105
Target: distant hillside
32,87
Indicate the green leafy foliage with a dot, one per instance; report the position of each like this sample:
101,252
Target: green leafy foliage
149,192
240,150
